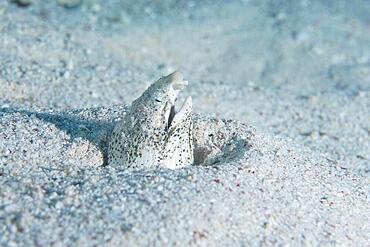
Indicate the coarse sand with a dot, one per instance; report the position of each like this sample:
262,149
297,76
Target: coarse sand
290,168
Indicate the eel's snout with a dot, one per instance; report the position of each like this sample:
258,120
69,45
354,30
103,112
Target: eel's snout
177,80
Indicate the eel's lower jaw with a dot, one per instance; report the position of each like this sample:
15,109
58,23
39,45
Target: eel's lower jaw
186,106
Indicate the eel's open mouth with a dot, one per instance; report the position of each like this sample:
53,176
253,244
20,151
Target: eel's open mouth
176,118
171,116
178,84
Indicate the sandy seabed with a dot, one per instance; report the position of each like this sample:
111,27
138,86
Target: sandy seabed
296,72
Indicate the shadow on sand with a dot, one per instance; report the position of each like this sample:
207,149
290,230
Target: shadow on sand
94,131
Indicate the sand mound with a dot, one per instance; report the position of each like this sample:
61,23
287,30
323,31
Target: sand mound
54,188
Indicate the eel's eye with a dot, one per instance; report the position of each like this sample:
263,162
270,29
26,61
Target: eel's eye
157,100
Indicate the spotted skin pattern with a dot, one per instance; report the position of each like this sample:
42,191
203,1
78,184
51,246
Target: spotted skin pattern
151,134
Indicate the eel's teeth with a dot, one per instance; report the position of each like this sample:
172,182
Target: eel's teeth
177,80
179,85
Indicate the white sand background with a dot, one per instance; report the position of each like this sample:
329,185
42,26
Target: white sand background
297,71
